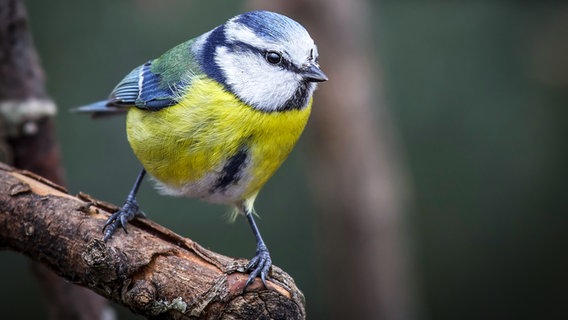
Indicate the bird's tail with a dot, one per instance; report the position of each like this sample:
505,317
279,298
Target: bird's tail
100,109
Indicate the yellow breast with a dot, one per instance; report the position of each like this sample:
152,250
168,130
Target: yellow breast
186,146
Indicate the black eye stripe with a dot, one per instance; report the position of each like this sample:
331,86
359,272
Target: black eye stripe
239,46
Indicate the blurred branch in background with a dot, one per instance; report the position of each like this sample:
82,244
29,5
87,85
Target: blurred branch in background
27,140
355,168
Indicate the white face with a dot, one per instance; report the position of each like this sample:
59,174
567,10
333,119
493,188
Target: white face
256,81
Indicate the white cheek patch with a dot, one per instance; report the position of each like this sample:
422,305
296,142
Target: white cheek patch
254,81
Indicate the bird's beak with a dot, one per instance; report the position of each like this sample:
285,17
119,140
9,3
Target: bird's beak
313,73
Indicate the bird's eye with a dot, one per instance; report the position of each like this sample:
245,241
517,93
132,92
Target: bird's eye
273,57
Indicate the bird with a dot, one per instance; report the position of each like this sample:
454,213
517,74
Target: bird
214,117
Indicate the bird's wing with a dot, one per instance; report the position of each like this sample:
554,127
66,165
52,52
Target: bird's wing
158,83
145,89
141,88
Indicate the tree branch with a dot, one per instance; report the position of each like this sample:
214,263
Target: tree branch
28,141
151,270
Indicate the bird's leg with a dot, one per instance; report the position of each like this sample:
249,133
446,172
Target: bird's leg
128,211
261,263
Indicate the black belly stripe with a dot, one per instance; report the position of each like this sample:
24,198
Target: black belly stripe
231,173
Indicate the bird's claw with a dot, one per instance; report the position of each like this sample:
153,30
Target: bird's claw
259,265
120,218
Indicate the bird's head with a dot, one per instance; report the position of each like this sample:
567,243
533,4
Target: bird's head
267,60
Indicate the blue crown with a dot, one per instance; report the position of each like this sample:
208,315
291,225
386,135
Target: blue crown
269,25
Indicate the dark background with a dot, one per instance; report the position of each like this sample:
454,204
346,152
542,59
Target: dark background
478,94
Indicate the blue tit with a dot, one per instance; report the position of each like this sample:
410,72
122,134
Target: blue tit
214,117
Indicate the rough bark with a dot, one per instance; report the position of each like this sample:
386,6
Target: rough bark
151,270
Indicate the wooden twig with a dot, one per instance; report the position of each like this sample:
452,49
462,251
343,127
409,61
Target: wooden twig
151,270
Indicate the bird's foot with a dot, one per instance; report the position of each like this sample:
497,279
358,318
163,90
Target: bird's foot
121,218
259,265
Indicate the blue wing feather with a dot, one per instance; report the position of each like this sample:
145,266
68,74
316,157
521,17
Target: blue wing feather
144,89
152,86
127,90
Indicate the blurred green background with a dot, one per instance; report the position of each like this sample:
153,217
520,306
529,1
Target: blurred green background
478,93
